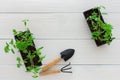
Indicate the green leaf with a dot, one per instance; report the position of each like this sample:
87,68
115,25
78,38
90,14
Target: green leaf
11,42
19,62
25,21
12,51
15,32
104,13
38,51
6,48
41,58
19,65
25,51
18,59
35,76
31,56
29,68
100,7
36,69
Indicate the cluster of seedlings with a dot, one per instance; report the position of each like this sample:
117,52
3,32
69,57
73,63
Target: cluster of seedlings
31,56
101,31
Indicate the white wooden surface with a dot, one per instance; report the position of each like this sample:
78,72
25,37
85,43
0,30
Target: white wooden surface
58,25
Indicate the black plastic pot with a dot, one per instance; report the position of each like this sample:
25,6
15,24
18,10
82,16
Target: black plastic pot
31,49
89,13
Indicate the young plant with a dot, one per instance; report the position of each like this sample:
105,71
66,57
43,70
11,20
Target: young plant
32,57
101,31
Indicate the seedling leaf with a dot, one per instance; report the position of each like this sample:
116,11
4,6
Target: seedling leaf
6,48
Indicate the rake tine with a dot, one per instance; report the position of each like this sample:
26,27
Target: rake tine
66,65
67,68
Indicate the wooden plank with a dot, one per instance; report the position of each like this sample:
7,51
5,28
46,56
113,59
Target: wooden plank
11,72
86,52
84,72
96,72
56,5
54,25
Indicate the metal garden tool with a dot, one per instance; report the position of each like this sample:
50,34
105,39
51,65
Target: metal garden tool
65,55
63,69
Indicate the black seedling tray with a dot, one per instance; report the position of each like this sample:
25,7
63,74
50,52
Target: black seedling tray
24,55
89,13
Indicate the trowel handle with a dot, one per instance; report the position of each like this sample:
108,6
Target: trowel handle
46,67
49,72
